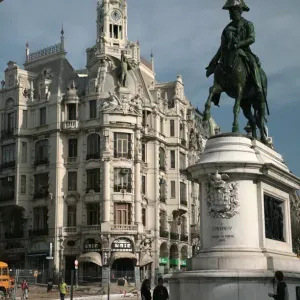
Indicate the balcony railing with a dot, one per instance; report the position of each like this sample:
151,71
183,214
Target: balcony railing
163,234
174,236
91,228
43,161
40,194
122,188
184,238
73,229
183,202
38,232
9,164
71,160
7,133
123,155
93,156
96,189
71,125
7,196
121,227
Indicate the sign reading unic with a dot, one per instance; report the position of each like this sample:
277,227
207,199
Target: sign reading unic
121,245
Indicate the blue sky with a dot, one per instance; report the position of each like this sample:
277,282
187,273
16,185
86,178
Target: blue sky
184,35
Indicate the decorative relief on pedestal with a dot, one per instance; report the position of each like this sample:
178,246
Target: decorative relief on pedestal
222,196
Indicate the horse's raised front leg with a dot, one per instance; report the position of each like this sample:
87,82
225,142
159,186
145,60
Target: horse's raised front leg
214,90
236,109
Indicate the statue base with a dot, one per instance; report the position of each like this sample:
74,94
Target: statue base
245,222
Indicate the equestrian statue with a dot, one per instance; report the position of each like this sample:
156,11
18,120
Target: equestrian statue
237,72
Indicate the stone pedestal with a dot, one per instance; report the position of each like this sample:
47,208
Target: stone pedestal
245,223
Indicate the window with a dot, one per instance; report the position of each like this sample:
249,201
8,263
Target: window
43,120
7,188
122,180
122,214
172,157
162,157
41,185
162,190
93,109
161,125
24,152
25,125
72,115
122,145
183,193
73,146
144,152
182,161
41,152
40,218
144,216
93,214
172,128
72,215
11,121
144,185
23,184
72,181
93,146
173,189
8,154
93,180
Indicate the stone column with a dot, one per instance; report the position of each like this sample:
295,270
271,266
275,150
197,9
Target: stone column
137,181
106,187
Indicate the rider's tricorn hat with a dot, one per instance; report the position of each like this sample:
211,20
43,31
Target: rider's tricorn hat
232,3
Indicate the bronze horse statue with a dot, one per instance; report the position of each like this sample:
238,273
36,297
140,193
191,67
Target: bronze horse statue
232,75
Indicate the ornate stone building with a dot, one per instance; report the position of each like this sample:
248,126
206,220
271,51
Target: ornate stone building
92,161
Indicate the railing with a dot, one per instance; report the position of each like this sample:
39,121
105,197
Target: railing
174,236
93,156
9,164
122,188
7,196
71,160
57,48
183,202
96,189
123,155
91,228
38,232
71,125
184,238
7,133
70,229
121,227
163,234
40,194
44,161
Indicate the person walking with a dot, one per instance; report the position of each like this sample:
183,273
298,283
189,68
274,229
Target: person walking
160,292
63,288
146,290
282,289
25,289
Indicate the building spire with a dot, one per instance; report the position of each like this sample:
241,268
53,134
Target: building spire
62,38
152,60
27,51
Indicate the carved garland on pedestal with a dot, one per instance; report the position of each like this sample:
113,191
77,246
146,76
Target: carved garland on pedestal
222,196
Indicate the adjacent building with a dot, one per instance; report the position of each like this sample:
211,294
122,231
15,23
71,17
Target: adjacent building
92,161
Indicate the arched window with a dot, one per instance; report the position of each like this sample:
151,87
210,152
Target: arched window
41,152
93,146
162,159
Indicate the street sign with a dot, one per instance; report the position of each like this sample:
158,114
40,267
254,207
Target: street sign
76,263
49,257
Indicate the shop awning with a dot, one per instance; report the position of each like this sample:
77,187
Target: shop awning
119,255
145,259
93,257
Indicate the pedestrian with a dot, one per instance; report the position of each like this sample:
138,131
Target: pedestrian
25,289
160,292
146,290
49,285
282,289
63,288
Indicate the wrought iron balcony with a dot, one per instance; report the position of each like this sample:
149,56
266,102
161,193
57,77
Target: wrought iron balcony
9,164
71,125
43,161
174,236
72,229
184,238
163,234
96,189
93,156
122,188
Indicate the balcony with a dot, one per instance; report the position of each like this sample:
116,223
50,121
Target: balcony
7,196
174,236
183,202
184,238
72,160
39,162
122,188
71,230
40,194
93,156
7,133
9,164
164,234
38,232
95,189
72,125
93,228
121,227
127,155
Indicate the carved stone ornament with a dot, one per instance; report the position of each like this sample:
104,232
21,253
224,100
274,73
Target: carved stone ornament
222,196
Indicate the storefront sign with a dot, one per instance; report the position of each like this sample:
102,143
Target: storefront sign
121,245
163,260
174,261
183,262
91,245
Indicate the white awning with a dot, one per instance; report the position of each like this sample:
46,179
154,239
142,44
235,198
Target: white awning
145,259
93,257
119,255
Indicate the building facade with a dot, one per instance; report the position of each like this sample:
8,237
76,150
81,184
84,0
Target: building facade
92,161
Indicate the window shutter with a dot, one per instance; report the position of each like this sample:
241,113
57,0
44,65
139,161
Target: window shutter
129,146
115,145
